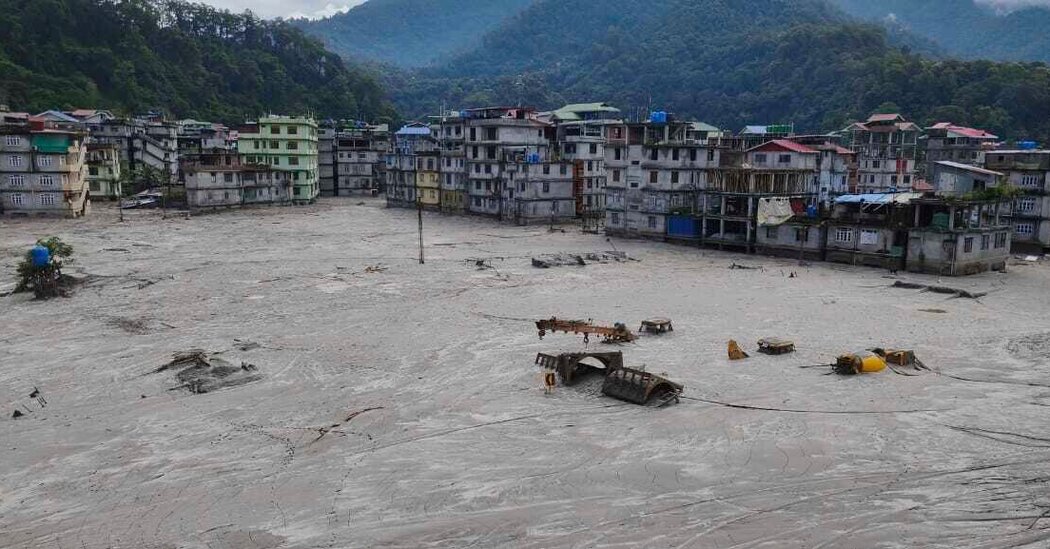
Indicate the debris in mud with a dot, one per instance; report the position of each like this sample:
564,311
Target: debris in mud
738,266
656,326
775,346
938,289
1032,347
36,400
132,326
377,268
618,333
547,261
17,414
735,352
200,373
245,344
934,311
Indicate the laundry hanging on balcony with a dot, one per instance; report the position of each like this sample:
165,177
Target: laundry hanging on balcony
774,210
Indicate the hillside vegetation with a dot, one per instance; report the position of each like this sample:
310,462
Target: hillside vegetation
187,59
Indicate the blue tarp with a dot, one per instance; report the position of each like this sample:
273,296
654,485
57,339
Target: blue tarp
880,198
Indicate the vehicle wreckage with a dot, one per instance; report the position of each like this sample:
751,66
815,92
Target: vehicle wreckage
628,384
618,333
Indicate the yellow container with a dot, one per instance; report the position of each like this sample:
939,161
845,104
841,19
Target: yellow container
871,363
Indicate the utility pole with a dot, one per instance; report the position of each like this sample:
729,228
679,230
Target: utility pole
419,211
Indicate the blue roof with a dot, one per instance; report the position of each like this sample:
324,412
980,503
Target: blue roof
414,130
880,198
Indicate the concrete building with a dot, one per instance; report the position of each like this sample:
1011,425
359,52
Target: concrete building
42,167
957,237
887,147
428,178
947,142
221,179
195,137
656,170
581,138
288,144
104,171
450,132
514,169
955,179
143,143
411,141
352,157
1029,213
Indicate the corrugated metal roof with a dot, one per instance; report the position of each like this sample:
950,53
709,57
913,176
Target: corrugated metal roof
786,145
968,168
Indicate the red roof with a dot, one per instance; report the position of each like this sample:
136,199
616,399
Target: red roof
922,185
784,145
963,131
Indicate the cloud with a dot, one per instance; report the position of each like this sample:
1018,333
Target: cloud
269,9
1006,6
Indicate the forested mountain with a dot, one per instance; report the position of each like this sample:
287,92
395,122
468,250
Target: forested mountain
729,63
411,33
187,59
965,28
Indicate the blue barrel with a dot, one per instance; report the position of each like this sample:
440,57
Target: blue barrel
41,256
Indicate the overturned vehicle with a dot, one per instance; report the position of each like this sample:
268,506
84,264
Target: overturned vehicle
628,384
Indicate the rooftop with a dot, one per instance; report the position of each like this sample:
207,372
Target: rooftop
784,144
968,167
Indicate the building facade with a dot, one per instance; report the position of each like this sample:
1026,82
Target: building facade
221,179
104,171
1029,213
288,144
887,147
43,168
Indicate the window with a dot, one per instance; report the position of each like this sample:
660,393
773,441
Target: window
985,241
594,148
275,144
614,218
546,169
292,130
652,222
654,176
1000,240
1026,204
227,177
474,136
292,145
18,199
616,176
477,185
674,177
1024,229
710,155
17,180
784,159
869,237
617,152
801,235
674,154
968,245
488,168
1026,180
13,141
257,144
47,181
654,154
875,164
563,169
47,199
634,184
760,158
590,166
275,130
45,161
844,234
546,187
772,233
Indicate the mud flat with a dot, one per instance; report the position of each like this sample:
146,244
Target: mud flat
392,404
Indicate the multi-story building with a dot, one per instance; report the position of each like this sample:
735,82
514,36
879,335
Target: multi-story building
581,136
428,178
352,157
195,137
104,171
451,137
947,142
837,166
221,178
143,142
656,171
288,144
887,147
42,167
1029,214
410,142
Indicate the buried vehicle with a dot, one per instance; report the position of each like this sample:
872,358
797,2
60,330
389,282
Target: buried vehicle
629,384
641,387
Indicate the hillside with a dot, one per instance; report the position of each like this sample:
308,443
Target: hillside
730,64
963,27
188,59
411,33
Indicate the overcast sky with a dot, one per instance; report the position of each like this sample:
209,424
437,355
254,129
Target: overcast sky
321,8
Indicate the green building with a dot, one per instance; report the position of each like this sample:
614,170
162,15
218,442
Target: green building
285,143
